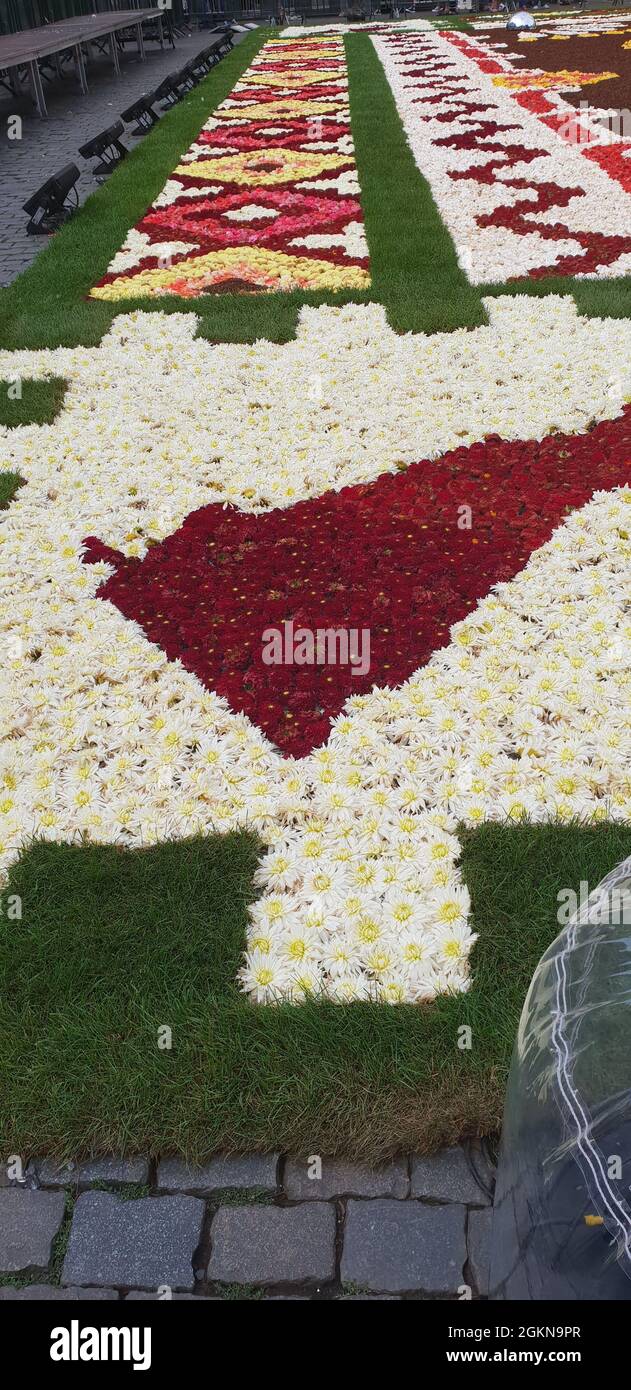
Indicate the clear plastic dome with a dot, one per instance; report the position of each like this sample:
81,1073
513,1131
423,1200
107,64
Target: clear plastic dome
521,20
562,1218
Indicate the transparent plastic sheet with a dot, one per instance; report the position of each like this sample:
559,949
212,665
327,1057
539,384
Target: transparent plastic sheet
562,1217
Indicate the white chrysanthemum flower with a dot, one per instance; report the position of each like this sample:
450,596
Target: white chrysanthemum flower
280,870
300,944
340,956
391,991
415,947
380,960
450,906
306,981
404,911
451,945
265,976
274,912
349,989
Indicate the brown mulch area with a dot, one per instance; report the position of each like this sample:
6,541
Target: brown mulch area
602,54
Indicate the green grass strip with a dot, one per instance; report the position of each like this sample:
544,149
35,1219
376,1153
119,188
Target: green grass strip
38,402
414,267
115,945
597,299
9,484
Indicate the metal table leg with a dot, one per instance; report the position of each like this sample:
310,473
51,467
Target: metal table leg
38,89
141,43
114,54
78,52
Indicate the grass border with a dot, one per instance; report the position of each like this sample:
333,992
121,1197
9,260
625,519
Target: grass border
39,402
9,484
115,943
414,266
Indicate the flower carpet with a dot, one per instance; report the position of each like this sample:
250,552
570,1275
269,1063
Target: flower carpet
266,198
463,496
525,186
609,43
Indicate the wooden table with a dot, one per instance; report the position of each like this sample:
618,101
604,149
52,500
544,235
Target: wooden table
25,49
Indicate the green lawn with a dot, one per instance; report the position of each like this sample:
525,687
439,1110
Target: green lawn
9,484
37,402
114,946
413,261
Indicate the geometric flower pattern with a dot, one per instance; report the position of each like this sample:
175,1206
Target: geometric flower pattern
266,198
523,189
499,683
110,736
387,557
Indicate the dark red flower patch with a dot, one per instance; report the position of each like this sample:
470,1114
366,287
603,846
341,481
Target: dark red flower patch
389,556
296,213
295,133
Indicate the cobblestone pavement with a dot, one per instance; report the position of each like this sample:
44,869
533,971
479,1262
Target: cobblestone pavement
259,1226
46,146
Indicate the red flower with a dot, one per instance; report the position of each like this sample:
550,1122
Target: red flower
393,557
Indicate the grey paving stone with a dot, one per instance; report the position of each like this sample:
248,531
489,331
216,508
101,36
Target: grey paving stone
5,1180
399,1247
446,1177
151,1295
273,1245
242,1172
145,1243
114,1170
479,1247
29,1221
340,1179
48,1292
48,1173
47,145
